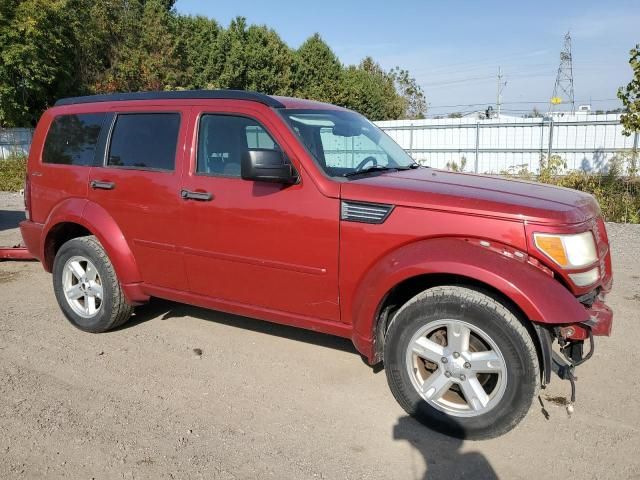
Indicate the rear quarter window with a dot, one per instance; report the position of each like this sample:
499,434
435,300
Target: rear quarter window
72,139
144,141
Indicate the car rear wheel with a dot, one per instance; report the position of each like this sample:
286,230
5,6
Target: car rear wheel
87,288
461,363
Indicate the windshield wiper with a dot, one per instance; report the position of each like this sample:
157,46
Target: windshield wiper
374,168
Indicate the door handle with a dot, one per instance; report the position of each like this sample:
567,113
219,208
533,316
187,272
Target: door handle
98,184
199,196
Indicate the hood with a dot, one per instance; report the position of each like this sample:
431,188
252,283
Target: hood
475,195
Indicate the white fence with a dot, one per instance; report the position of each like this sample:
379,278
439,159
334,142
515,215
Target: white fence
585,142
15,141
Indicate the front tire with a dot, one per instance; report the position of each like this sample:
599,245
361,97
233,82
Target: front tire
87,288
461,363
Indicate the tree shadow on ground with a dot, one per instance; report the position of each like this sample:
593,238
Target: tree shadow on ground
10,219
441,454
165,310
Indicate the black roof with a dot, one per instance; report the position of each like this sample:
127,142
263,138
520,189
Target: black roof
175,95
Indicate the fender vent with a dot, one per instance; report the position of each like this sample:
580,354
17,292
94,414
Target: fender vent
364,212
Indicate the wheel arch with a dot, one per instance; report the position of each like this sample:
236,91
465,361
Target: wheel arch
533,296
401,293
77,218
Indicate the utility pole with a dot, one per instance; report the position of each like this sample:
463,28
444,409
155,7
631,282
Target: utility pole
563,88
501,86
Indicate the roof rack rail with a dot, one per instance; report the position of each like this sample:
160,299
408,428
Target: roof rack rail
175,95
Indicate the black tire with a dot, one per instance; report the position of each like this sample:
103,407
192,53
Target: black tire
497,322
114,309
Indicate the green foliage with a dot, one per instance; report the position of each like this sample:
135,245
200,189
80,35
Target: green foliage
370,90
250,58
36,58
617,191
457,167
197,36
150,55
413,98
55,48
317,71
12,173
630,95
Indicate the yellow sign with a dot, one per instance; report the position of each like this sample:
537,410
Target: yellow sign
556,100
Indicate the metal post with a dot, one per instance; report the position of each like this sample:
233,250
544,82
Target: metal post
411,140
477,159
550,147
634,154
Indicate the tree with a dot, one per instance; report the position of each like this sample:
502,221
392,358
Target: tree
268,61
56,48
535,113
197,37
317,71
370,90
228,66
415,102
148,56
36,58
630,95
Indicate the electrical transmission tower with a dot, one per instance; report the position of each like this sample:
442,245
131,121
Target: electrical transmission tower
563,89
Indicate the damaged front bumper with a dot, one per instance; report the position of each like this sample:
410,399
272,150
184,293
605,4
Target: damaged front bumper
571,338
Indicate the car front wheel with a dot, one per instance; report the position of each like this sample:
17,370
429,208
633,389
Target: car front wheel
461,363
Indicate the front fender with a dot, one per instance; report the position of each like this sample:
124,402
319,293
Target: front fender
97,221
538,295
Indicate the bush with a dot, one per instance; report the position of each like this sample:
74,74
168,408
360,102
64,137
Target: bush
617,191
12,173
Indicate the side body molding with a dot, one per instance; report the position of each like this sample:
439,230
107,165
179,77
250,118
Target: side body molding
541,298
96,219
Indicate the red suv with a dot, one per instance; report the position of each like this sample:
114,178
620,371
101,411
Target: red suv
306,214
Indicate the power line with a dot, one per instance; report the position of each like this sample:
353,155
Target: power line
523,102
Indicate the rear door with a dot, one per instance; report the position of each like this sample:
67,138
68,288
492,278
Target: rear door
264,245
60,162
138,183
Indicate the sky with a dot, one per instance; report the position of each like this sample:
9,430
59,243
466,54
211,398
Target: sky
454,48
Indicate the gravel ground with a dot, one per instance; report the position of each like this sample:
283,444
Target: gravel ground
182,392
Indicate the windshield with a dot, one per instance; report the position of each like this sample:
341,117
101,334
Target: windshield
346,143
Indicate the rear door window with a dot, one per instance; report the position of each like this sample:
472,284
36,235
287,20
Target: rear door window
145,141
72,139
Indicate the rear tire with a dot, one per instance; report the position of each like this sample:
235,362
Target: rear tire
87,288
461,363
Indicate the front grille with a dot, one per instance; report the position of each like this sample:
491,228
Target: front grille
365,212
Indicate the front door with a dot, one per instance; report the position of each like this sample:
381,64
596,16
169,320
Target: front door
138,184
258,244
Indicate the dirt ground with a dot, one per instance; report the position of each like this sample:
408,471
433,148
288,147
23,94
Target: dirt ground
267,401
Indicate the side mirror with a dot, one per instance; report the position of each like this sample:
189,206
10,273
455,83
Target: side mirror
267,166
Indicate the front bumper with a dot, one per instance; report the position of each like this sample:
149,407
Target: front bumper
599,324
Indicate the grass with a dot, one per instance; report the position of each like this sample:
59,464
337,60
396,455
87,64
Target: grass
12,173
617,191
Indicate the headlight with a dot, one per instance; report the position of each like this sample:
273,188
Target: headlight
585,278
568,251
